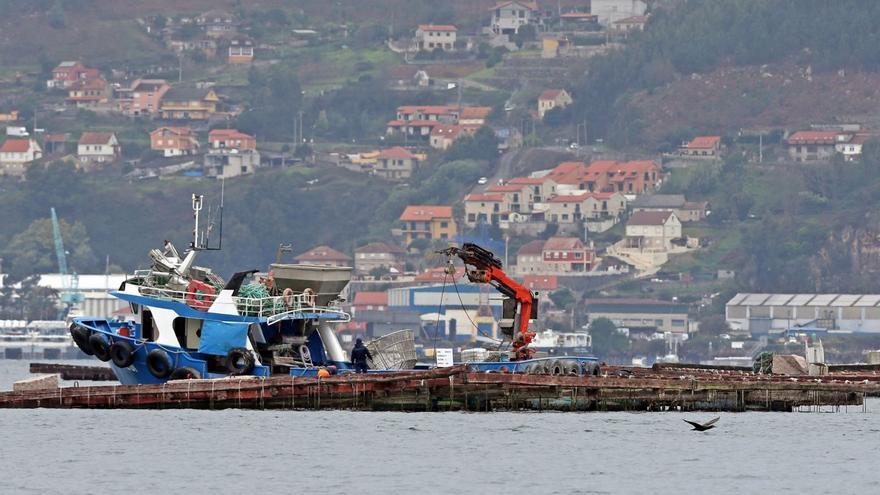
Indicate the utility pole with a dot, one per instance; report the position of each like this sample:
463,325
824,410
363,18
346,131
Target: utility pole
180,68
760,146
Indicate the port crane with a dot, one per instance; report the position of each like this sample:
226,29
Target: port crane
70,293
482,267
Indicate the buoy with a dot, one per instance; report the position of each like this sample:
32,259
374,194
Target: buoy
323,373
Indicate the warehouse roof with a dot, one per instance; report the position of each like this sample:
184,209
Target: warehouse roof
838,300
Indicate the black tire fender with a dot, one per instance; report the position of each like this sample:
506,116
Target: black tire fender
122,353
240,361
80,337
100,346
159,363
185,373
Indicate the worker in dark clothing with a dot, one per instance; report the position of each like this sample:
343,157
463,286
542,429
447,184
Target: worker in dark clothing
359,356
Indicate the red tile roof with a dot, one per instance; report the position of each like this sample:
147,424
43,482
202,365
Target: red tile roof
484,197
472,113
222,134
437,27
813,137
704,142
425,213
370,299
506,188
649,218
427,109
16,146
179,131
96,138
531,248
541,282
550,94
563,244
527,180
379,247
322,253
397,152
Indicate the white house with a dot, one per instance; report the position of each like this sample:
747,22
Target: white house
96,148
508,17
610,11
16,154
652,230
432,36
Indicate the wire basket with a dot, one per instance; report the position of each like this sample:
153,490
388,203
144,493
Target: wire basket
394,351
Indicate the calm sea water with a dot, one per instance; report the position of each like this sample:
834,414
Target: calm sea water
126,451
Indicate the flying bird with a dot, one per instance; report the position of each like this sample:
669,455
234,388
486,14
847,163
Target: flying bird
708,425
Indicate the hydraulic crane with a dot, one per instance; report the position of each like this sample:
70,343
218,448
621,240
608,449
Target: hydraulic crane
484,268
70,293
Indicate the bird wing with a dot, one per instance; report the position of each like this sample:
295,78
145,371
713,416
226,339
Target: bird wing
711,421
693,423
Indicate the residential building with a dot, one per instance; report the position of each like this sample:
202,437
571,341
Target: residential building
632,313
437,275
760,313
379,255
217,23
543,284
427,222
231,139
174,141
55,144
473,116
633,177
395,163
142,97
207,46
436,36
68,72
584,205
810,146
443,135
88,93
231,163
686,211
530,258
852,149
702,147
518,197
240,51
579,21
17,154
610,11
630,24
489,208
323,255
369,301
566,255
189,104
10,116
420,120
508,17
543,188
96,149
652,231
552,98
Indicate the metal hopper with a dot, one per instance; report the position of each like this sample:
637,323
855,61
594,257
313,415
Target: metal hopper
326,281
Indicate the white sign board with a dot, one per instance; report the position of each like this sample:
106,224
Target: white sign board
444,358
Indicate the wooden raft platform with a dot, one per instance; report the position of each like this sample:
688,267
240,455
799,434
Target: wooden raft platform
457,388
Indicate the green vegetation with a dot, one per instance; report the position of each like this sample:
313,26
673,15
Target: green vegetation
696,36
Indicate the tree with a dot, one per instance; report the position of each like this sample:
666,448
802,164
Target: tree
483,145
713,325
562,298
607,341
379,271
33,251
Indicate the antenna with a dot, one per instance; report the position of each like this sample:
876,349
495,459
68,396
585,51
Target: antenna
201,240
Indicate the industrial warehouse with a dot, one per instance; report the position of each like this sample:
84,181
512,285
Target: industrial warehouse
759,314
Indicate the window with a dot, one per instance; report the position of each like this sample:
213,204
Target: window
444,225
471,217
678,323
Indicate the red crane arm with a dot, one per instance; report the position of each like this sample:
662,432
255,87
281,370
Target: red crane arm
487,270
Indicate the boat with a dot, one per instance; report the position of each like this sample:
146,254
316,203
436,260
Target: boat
562,343
188,323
